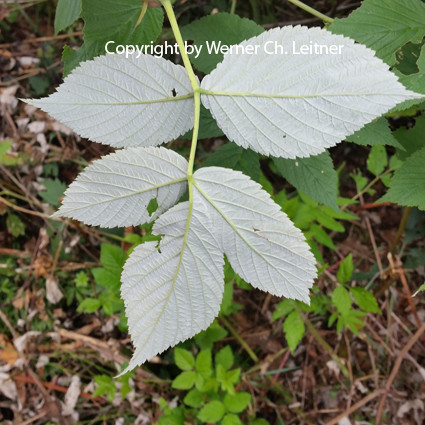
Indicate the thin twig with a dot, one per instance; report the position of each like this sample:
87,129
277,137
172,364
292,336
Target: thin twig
394,372
355,407
241,341
372,239
42,39
401,228
8,324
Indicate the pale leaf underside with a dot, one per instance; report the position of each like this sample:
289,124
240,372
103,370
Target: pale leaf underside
115,190
124,102
172,293
293,105
174,290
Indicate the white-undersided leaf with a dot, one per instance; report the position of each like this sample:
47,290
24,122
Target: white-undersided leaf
260,242
116,189
124,102
174,291
288,104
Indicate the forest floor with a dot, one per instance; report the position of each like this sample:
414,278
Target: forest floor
58,360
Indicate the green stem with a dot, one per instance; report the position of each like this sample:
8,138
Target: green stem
196,90
233,7
241,341
312,11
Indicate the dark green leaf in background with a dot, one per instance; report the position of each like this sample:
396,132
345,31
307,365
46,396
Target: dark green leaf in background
208,127
233,156
229,29
314,176
384,25
375,133
67,12
408,184
107,20
55,190
411,140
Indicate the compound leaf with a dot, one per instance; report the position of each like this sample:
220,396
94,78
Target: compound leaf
116,190
313,101
260,242
124,102
384,25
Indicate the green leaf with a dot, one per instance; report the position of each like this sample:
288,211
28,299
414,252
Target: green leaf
184,381
112,258
105,385
365,299
283,308
89,305
231,419
225,358
321,236
214,333
260,421
341,300
184,359
203,363
375,133
294,329
67,12
208,127
384,25
407,57
81,280
237,403
420,289
55,190
212,412
377,160
6,157
15,225
411,140
345,270
233,156
108,20
213,29
193,398
408,184
414,82
227,379
314,176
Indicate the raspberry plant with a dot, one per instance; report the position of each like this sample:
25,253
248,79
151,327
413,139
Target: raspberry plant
287,105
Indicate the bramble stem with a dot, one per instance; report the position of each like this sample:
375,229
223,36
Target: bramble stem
312,11
193,81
